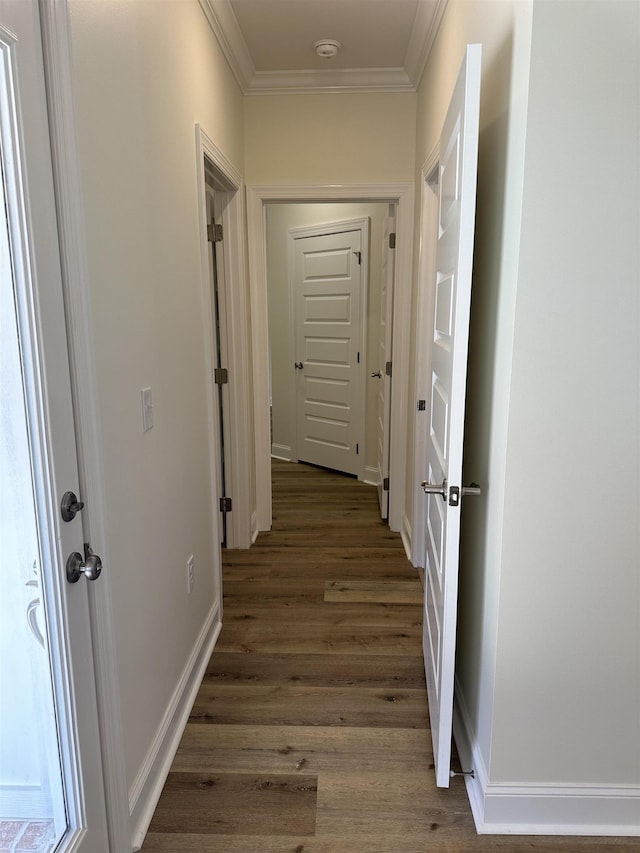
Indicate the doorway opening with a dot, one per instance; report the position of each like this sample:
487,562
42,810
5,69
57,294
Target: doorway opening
260,200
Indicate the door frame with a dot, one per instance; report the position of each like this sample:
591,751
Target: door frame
227,185
424,321
56,43
363,225
402,195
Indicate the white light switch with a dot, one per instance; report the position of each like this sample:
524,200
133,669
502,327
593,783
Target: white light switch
147,409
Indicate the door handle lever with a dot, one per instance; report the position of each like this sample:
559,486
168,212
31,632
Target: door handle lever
430,489
376,375
473,489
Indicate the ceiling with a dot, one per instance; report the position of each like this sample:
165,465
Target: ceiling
270,43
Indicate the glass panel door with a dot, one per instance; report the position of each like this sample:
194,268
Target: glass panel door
32,808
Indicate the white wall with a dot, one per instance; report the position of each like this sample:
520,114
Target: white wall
568,662
329,139
144,74
281,218
549,609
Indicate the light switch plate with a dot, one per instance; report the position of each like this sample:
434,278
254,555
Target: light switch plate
147,409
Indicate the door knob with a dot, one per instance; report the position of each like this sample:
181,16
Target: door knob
298,365
90,566
376,375
442,489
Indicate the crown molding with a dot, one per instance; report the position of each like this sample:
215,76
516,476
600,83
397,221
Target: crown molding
334,80
423,35
226,29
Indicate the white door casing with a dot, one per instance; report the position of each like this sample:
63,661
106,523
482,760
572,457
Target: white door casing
384,358
217,172
219,360
36,268
257,197
329,297
454,257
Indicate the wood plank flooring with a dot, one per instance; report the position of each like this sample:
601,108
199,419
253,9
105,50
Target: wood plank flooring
310,731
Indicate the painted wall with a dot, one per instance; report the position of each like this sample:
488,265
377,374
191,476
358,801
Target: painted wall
549,628
144,74
280,218
568,652
329,139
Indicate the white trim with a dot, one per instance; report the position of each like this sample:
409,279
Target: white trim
346,81
147,787
371,477
57,55
405,535
239,531
423,335
257,196
423,35
363,225
517,808
281,451
225,27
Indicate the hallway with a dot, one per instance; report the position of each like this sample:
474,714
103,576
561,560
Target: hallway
310,731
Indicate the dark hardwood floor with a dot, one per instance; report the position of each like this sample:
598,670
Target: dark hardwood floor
310,731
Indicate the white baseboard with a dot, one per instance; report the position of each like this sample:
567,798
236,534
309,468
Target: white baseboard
371,476
146,790
405,533
281,451
541,809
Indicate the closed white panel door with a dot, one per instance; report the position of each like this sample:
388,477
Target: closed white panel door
329,406
384,357
454,255
51,775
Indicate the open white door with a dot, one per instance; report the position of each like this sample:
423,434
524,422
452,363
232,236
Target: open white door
384,358
454,257
51,773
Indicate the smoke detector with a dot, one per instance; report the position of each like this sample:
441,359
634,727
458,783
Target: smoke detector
327,48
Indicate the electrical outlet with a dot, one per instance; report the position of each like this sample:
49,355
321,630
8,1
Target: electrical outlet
190,577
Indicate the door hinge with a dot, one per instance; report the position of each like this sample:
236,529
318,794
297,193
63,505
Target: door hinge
214,233
358,358
392,240
221,375
422,405
357,449
385,484
225,504
388,368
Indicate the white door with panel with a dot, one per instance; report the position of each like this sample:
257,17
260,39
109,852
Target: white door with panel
454,257
328,350
383,373
51,774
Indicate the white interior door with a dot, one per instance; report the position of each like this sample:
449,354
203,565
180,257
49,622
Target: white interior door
384,358
51,775
328,358
454,256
